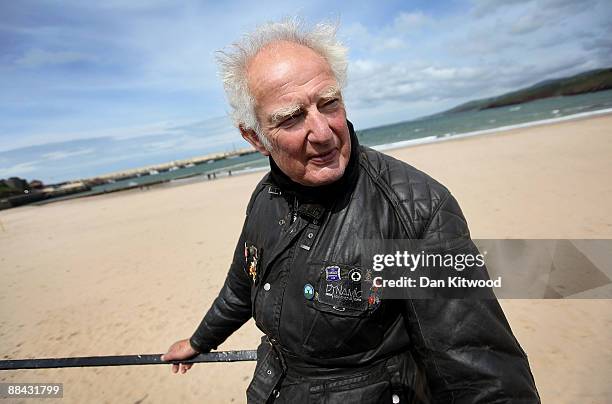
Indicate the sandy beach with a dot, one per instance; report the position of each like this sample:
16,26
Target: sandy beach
131,272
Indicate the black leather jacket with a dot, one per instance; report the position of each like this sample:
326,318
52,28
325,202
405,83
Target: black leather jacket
315,350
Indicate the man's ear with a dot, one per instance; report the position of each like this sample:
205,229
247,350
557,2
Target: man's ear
253,138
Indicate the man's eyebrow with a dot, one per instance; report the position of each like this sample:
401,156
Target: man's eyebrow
285,112
331,92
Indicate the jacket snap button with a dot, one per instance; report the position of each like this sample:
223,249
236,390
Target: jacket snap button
310,235
269,372
395,399
281,222
267,287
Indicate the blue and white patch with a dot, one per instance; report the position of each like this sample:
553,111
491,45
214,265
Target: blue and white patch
332,274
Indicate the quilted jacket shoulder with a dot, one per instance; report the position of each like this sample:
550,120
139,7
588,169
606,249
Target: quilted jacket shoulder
427,207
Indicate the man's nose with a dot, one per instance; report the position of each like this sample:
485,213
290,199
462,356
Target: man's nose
318,128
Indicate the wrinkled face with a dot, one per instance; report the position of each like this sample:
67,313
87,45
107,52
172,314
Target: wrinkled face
300,110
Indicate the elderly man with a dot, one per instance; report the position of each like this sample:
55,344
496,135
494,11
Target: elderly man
305,222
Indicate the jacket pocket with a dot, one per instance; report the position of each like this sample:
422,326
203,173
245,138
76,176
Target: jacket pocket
371,387
341,318
376,393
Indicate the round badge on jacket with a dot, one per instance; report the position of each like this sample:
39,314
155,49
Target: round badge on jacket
309,291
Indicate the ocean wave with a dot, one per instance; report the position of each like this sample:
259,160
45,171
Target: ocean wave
499,129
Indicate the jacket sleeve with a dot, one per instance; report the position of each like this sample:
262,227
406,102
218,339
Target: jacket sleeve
466,345
230,310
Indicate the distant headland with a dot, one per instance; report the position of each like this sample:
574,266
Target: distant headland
586,82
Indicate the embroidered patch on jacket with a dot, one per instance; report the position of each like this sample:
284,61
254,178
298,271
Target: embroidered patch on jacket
332,273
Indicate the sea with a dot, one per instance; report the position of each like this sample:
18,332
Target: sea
433,128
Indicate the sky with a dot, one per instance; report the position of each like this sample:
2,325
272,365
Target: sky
88,88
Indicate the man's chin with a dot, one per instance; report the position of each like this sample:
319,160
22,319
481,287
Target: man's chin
324,176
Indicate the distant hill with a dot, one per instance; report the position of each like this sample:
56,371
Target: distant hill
591,81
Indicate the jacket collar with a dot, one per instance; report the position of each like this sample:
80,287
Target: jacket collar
323,193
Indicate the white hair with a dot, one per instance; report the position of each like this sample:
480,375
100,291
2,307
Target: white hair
233,63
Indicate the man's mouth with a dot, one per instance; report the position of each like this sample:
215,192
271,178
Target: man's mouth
324,158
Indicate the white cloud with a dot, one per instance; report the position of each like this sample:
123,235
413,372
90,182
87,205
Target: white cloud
35,58
484,7
406,22
18,169
527,23
389,44
132,131
380,83
60,155
162,145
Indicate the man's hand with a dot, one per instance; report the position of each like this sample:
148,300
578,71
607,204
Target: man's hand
178,351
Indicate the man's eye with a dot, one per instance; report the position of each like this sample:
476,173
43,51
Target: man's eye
331,103
292,120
